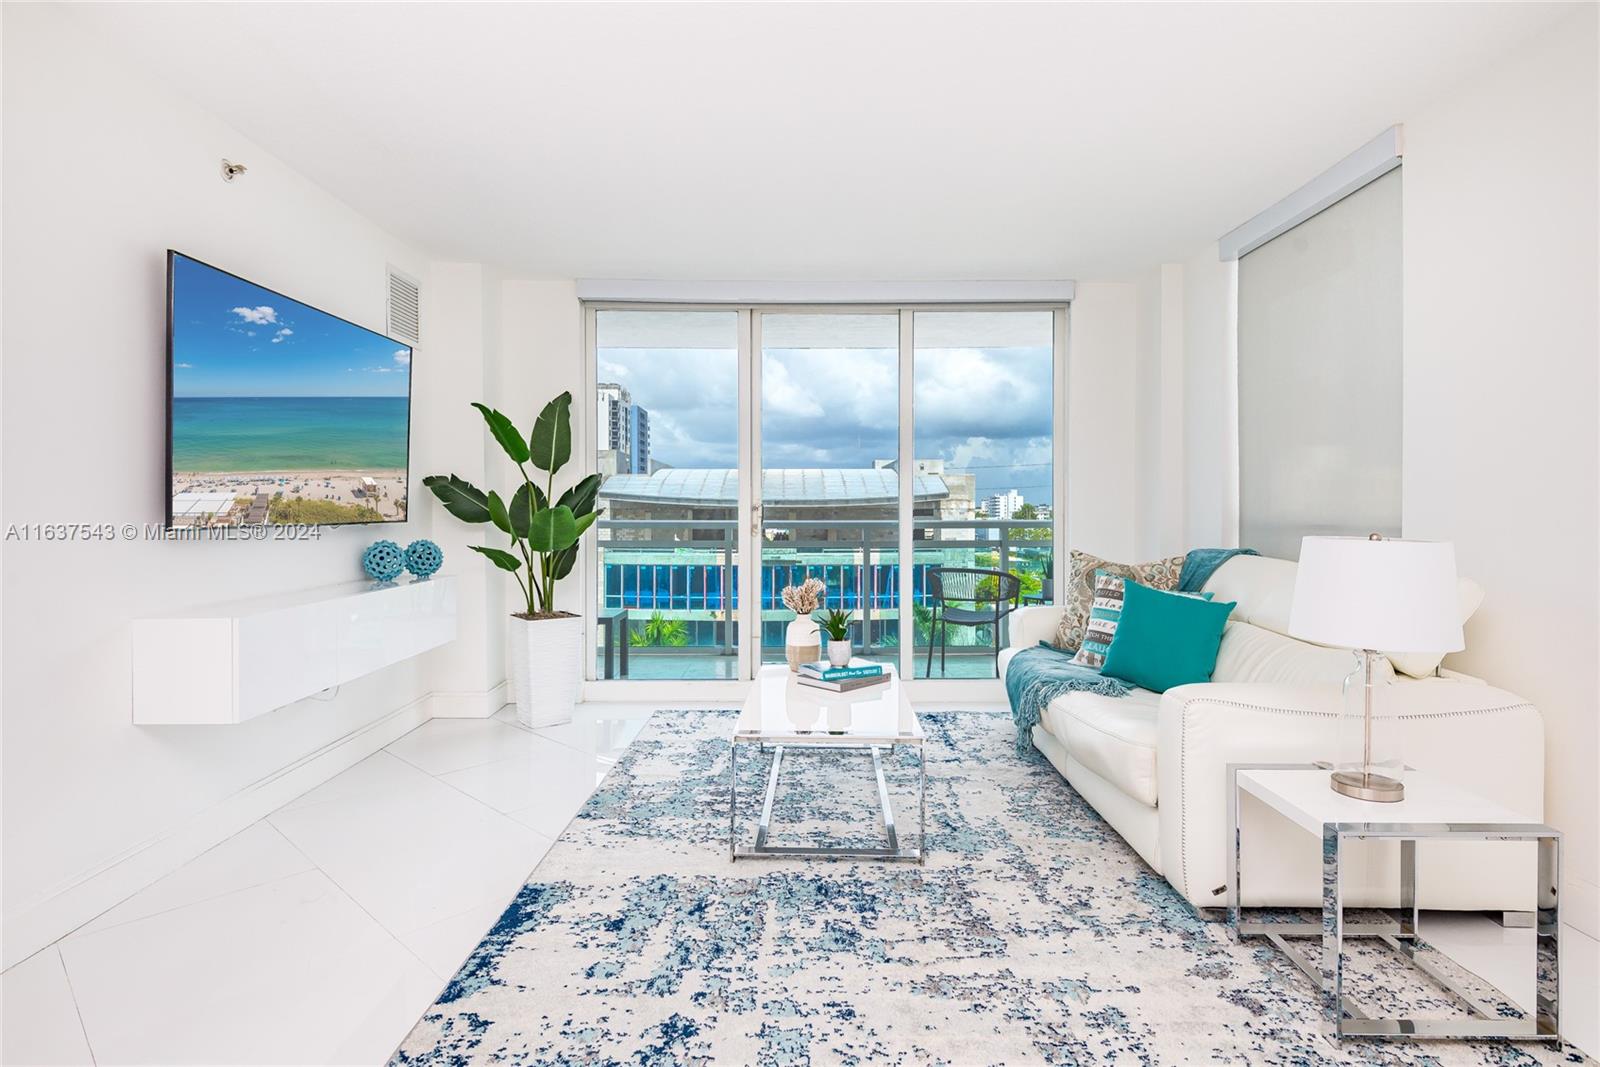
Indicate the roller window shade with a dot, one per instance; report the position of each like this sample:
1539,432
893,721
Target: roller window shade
1319,375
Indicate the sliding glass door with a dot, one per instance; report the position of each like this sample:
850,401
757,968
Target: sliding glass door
833,443
830,481
666,436
982,403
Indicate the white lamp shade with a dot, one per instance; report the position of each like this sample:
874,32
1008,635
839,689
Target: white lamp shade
1391,595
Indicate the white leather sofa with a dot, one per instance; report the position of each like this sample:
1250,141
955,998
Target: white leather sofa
1155,765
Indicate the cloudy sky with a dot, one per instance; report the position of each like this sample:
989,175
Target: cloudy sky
983,410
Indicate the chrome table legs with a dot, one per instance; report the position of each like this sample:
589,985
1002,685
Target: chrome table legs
895,850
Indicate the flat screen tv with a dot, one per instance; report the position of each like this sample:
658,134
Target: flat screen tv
278,413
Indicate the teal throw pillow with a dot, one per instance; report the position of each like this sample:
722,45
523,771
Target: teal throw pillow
1164,639
1104,616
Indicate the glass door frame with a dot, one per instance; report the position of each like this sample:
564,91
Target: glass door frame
750,533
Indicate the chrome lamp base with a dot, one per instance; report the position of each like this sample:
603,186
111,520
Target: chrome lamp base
1363,786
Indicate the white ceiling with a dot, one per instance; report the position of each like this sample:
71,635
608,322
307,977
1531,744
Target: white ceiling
796,141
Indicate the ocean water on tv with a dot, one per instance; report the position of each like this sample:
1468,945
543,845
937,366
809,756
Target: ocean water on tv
273,433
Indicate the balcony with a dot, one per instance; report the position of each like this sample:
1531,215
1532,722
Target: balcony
668,587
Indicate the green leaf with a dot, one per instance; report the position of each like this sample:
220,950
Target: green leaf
497,512
552,529
519,511
581,497
561,562
459,497
550,445
509,436
528,499
501,558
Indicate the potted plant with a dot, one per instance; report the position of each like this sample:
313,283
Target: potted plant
836,624
542,531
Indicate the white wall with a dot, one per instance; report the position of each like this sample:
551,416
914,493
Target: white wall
463,329
540,355
1210,403
1501,382
103,171
1102,399
1159,420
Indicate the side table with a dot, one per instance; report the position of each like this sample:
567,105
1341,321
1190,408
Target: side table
1432,810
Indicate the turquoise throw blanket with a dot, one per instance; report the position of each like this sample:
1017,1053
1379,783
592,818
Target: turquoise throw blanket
1201,563
1036,676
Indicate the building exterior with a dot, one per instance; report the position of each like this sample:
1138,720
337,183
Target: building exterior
622,431
960,494
668,545
638,440
1002,505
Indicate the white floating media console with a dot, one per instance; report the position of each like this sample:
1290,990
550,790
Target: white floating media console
231,662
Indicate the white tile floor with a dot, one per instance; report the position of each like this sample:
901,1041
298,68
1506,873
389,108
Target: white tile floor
321,933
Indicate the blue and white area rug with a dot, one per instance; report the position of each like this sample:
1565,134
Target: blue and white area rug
1032,935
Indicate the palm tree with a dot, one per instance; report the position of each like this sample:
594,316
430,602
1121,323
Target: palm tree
660,631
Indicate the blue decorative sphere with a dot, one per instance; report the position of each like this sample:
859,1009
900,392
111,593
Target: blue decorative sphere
423,558
383,561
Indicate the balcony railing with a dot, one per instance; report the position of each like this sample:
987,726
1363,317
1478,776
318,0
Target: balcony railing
677,579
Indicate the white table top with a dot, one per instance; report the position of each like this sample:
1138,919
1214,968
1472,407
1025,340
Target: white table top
1304,796
780,709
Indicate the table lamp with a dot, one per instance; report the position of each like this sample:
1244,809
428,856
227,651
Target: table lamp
1367,594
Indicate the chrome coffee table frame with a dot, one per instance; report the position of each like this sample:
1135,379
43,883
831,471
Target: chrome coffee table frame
894,851
794,721
1341,1017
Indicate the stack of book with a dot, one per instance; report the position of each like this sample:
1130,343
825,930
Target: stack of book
824,675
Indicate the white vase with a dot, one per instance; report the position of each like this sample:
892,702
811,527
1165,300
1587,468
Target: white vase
802,641
839,652
546,669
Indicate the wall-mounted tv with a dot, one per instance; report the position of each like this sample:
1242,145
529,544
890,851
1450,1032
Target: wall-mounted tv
278,413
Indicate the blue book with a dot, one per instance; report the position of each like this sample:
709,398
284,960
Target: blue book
828,672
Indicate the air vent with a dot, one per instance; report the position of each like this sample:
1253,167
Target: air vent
405,322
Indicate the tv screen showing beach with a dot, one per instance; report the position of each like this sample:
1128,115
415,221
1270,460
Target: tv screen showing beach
281,414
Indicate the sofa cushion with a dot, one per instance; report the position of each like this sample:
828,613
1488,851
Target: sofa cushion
1263,589
1115,737
1252,654
1078,597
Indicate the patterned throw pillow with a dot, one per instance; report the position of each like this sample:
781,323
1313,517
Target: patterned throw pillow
1104,611
1104,615
1078,597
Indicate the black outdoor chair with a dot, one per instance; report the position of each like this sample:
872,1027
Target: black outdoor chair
959,598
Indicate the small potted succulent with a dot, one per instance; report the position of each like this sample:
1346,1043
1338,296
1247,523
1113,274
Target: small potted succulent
836,624
801,641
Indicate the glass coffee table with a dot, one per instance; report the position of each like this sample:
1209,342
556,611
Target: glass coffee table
784,718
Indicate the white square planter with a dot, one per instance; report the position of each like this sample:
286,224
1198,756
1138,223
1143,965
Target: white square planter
546,669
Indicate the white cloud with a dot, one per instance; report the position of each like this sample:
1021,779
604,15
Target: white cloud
184,366
380,370
278,337
985,410
403,357
261,315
